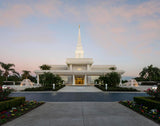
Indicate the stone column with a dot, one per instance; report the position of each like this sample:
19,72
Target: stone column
70,66
85,79
88,67
73,80
37,79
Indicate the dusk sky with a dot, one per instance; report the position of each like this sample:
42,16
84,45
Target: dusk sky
125,33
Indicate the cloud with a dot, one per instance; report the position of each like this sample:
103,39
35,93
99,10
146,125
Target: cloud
14,14
120,28
125,28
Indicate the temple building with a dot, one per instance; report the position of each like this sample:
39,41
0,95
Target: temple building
79,70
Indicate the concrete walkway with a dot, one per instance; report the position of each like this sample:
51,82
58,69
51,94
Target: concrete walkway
81,114
79,89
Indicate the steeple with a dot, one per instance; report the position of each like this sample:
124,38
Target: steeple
79,53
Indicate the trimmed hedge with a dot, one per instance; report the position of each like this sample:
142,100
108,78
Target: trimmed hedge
150,102
115,88
149,83
100,87
120,89
44,88
13,102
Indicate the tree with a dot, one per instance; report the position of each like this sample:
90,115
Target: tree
124,81
7,69
25,74
14,78
112,68
112,79
47,79
45,67
1,72
150,73
103,79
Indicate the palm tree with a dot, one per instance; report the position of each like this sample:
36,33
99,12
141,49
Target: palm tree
150,73
7,69
112,68
1,72
25,74
45,67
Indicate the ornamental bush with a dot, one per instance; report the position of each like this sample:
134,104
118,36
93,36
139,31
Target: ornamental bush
121,89
12,102
154,93
115,88
48,79
153,114
150,102
4,93
112,79
45,88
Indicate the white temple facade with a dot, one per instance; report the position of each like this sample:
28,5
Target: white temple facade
79,70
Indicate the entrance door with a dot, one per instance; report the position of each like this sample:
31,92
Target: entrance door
79,80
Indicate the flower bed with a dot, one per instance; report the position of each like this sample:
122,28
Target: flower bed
148,101
15,112
153,114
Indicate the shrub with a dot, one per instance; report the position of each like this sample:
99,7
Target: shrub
47,79
153,114
120,89
154,93
4,93
100,87
112,79
13,102
150,102
115,88
45,88
149,83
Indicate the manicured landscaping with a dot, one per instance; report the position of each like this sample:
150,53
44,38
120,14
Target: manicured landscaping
112,80
150,102
45,88
115,88
14,112
147,106
13,107
47,80
11,102
153,113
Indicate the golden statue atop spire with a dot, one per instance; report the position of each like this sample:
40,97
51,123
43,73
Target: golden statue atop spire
79,25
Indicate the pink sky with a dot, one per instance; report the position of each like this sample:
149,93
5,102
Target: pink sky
118,32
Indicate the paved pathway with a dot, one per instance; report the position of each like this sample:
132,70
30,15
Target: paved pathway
79,89
81,114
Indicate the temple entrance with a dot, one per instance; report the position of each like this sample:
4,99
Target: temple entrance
79,80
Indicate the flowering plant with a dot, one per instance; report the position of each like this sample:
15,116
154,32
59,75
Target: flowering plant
153,93
17,111
153,114
4,93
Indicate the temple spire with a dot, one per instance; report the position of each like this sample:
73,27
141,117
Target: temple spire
79,53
